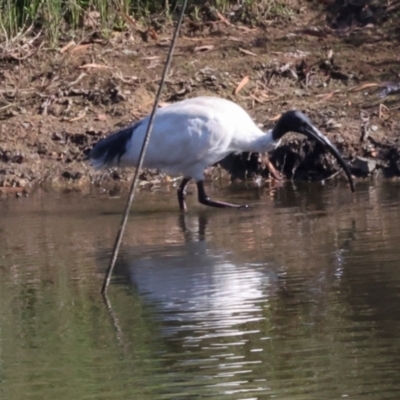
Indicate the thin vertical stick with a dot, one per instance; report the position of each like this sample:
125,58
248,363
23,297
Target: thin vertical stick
135,181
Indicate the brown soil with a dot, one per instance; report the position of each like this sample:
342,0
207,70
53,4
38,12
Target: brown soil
56,103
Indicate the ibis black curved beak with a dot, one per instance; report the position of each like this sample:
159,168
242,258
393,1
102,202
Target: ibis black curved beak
296,121
313,133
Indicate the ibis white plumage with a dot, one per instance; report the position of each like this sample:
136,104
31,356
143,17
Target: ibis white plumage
190,135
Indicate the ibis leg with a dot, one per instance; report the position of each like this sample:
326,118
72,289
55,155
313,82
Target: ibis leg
182,193
204,199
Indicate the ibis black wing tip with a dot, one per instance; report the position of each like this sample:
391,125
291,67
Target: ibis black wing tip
108,151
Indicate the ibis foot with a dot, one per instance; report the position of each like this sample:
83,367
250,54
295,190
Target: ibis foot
204,199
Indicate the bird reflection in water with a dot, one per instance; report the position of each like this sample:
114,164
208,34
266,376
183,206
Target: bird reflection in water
195,286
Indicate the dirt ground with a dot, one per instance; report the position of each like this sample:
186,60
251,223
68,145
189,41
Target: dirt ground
56,103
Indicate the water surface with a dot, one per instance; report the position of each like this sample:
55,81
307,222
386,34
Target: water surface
298,298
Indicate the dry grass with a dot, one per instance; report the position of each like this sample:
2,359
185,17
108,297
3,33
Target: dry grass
57,18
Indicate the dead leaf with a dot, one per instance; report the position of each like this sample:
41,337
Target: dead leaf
275,118
95,66
241,85
384,112
266,163
223,19
374,153
325,96
101,117
153,64
274,172
91,19
151,58
248,52
131,21
80,47
203,49
192,39
129,80
80,116
362,86
164,42
80,77
257,99
67,46
152,33
330,54
244,28
261,98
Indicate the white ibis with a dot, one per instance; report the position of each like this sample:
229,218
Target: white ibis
190,135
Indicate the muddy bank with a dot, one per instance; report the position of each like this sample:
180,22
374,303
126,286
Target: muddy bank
56,103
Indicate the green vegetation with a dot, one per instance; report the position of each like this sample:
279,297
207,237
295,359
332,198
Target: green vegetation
57,17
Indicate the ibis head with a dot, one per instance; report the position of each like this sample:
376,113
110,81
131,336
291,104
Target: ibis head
296,121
